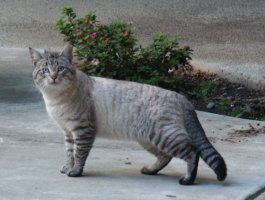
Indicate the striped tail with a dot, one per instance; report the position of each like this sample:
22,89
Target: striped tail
205,149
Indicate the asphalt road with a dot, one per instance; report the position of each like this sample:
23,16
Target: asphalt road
228,37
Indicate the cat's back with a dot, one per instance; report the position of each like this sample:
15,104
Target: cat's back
118,91
131,92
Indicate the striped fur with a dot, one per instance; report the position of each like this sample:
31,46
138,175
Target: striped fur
84,107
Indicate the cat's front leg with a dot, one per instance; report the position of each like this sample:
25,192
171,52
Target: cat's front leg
69,145
84,137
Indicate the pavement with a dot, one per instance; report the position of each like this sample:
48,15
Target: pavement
228,37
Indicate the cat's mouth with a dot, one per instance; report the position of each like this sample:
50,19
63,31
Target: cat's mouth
54,82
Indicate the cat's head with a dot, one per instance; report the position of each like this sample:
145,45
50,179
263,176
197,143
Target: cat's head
53,71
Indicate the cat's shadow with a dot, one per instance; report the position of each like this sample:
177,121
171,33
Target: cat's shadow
127,174
164,177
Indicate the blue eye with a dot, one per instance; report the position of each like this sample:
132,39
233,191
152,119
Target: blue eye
60,68
45,70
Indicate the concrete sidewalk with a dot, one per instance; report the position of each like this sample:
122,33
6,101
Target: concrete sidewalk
32,152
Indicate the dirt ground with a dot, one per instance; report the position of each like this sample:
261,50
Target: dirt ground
210,93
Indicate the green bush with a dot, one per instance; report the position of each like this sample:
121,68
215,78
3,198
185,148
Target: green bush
111,50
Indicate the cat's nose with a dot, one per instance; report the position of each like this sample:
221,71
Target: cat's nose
53,76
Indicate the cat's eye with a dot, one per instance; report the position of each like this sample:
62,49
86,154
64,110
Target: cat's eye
60,68
45,70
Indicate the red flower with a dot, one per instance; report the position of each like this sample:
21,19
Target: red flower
94,62
93,35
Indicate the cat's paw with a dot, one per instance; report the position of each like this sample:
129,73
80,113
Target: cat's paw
75,172
65,169
147,171
186,181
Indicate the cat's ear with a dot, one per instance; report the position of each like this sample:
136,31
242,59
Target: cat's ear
35,55
68,52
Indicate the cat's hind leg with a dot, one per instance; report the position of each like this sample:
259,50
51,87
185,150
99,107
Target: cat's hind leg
162,160
186,151
192,167
180,145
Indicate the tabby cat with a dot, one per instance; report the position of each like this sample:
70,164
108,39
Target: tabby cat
161,121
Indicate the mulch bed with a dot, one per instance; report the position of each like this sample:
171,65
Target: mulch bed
210,93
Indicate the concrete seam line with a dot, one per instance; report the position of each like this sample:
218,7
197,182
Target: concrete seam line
256,194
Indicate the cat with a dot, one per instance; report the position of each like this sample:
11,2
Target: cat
163,122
